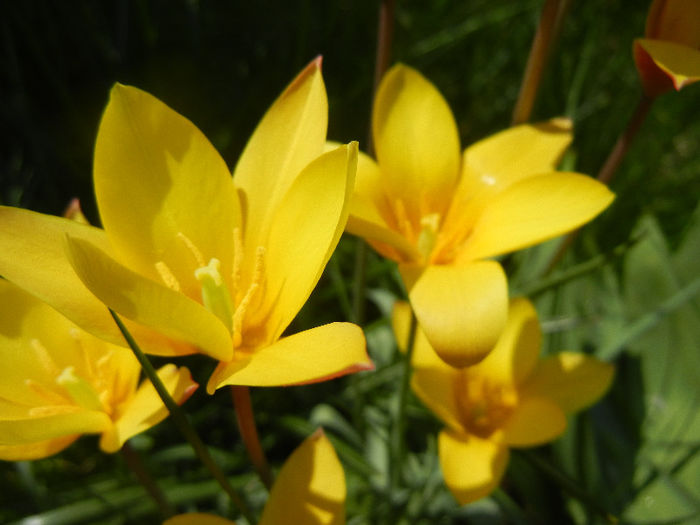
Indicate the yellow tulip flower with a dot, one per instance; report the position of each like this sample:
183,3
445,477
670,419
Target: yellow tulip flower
668,57
310,490
440,215
510,399
59,382
218,265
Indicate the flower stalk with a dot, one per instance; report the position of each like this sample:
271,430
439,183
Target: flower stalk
180,420
134,461
249,433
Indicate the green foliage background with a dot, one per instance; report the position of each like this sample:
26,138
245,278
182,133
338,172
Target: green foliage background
221,63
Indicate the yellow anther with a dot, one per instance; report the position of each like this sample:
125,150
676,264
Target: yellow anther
44,358
215,295
77,337
198,257
167,276
79,390
403,223
244,304
45,393
428,234
237,260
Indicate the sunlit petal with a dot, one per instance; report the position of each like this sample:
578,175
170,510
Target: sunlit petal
317,354
472,467
462,308
177,184
572,380
147,302
535,421
290,135
310,488
423,354
533,210
38,450
416,140
59,422
679,62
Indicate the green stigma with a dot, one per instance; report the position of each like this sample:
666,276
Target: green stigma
428,234
215,295
79,390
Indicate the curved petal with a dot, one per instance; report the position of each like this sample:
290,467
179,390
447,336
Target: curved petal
423,354
462,308
310,487
416,140
435,387
570,379
674,20
289,136
145,409
38,450
366,219
679,62
158,178
149,303
314,355
496,162
472,467
536,420
305,230
515,354
197,518
534,210
55,422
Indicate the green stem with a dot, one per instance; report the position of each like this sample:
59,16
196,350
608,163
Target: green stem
400,423
249,433
180,419
135,463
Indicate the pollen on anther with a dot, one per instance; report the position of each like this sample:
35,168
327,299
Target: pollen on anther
167,276
198,257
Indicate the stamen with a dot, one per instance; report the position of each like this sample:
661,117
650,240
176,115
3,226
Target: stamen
403,223
237,260
193,249
243,305
79,390
76,335
215,295
44,358
50,396
428,234
167,276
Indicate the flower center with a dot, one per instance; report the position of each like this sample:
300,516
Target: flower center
79,390
484,406
215,295
428,235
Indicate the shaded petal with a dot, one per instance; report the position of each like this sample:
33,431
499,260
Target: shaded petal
674,20
435,387
366,219
318,354
536,420
62,422
534,210
145,408
38,450
570,379
423,354
461,308
517,349
310,487
289,136
157,177
307,226
416,140
472,467
679,62
149,303
197,518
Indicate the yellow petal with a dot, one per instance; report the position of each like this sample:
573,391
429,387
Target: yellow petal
462,308
570,379
149,303
366,219
416,140
33,256
38,450
314,355
472,467
306,228
496,162
62,422
197,518
536,420
435,387
157,179
310,488
516,351
290,135
423,353
533,210
145,408
681,63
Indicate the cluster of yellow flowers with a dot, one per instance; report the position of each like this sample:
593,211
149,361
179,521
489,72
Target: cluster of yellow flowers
198,261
